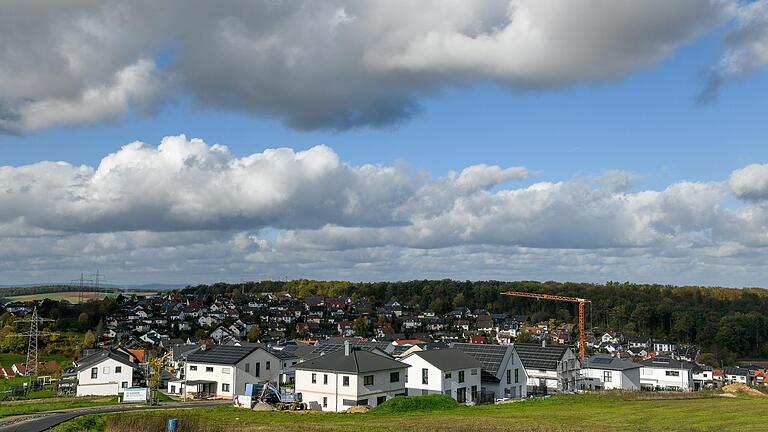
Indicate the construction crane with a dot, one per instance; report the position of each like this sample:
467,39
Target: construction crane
580,301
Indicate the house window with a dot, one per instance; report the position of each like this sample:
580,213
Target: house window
425,376
362,402
394,377
118,369
325,378
225,370
314,378
461,376
173,389
345,381
269,363
94,373
517,376
474,393
474,372
225,387
193,368
258,368
105,369
509,376
368,380
209,368
448,375
380,400
124,384
248,367
607,376
325,402
672,373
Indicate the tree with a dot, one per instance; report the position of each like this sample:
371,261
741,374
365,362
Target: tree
254,333
361,327
83,319
100,329
525,337
89,340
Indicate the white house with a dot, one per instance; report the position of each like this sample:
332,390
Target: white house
349,377
664,346
550,368
106,372
502,374
604,372
445,371
736,375
219,371
666,373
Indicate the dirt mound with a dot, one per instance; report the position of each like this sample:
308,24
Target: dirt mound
742,389
261,406
358,409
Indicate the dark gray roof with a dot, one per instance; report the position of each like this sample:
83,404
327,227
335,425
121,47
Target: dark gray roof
667,363
489,356
535,356
736,371
448,359
602,361
181,351
358,361
301,351
221,354
101,355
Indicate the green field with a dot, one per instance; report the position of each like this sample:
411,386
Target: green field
39,405
75,296
604,413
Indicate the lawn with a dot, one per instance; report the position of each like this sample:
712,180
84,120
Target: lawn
38,405
562,413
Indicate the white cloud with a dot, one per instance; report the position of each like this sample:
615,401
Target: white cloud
186,210
329,63
750,182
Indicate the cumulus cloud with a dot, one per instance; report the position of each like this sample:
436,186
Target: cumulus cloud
750,182
746,48
188,209
322,64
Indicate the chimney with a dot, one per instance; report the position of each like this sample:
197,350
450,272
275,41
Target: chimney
544,343
346,348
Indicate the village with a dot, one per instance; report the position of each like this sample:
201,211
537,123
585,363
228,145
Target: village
339,353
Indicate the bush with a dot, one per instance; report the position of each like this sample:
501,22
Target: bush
409,404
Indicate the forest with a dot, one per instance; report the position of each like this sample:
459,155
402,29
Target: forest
728,324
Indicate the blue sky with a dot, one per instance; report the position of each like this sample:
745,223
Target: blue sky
527,162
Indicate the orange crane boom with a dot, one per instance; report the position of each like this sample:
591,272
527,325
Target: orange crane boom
580,301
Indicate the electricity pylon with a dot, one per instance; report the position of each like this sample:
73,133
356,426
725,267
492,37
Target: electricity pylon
34,332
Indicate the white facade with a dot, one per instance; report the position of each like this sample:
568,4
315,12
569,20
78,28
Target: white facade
228,380
564,378
338,391
424,378
108,377
609,379
666,378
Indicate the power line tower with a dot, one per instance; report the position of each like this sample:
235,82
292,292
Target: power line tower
35,322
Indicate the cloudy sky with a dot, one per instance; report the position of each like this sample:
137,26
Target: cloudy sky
184,142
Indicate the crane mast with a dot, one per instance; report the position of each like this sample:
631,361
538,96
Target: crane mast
580,301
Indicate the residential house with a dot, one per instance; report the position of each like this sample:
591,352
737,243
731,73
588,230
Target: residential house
605,372
445,371
503,375
105,372
550,368
666,373
350,377
219,371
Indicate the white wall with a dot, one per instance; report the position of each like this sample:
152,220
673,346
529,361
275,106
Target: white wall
627,380
336,392
436,381
511,388
107,381
221,374
658,377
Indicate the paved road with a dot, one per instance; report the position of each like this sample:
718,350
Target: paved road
42,421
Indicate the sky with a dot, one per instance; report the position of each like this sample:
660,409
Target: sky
371,140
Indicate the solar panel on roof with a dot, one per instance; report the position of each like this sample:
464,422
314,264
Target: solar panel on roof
602,360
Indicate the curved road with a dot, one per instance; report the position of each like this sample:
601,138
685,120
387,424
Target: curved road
44,420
